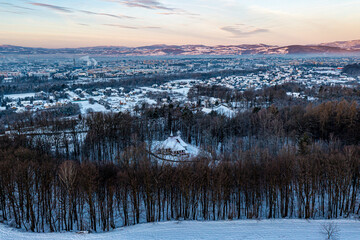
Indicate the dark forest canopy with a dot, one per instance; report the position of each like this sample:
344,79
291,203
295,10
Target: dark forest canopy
40,193
352,69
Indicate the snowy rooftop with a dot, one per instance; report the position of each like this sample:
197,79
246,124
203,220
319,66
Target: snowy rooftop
173,143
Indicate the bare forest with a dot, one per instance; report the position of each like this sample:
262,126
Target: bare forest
278,158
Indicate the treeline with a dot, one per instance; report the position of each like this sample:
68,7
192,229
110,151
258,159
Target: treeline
352,69
40,193
98,171
269,128
276,94
100,137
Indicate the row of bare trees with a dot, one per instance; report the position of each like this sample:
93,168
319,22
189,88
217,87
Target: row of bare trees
40,193
298,161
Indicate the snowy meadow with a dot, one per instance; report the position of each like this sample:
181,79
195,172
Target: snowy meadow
239,229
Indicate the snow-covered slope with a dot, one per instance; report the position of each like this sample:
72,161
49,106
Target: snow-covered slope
222,110
240,229
354,44
161,50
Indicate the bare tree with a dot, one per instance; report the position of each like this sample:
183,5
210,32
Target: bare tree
330,230
67,174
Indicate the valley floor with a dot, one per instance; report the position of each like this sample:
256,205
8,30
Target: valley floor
238,229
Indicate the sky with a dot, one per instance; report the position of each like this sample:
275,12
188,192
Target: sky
83,23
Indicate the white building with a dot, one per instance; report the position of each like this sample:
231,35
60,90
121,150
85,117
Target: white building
174,146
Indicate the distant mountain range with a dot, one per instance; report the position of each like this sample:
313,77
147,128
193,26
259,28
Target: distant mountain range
341,47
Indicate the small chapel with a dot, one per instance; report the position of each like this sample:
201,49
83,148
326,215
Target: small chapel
173,146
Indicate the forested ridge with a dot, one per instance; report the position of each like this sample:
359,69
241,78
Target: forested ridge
282,159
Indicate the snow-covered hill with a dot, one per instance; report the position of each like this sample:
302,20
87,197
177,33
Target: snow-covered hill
350,45
240,229
161,50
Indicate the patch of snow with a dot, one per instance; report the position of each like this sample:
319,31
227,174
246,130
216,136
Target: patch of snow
225,111
222,110
293,94
206,110
19,96
293,229
183,91
85,106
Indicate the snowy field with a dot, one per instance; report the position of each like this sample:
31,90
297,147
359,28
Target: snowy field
239,229
19,96
85,106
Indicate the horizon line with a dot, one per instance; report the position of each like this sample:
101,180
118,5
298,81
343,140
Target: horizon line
161,44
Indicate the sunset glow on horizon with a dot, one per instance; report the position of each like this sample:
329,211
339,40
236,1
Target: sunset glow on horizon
65,23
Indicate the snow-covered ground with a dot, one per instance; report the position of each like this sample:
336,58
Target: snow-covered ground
239,229
85,106
222,110
19,96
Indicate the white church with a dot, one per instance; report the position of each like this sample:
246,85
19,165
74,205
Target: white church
173,146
